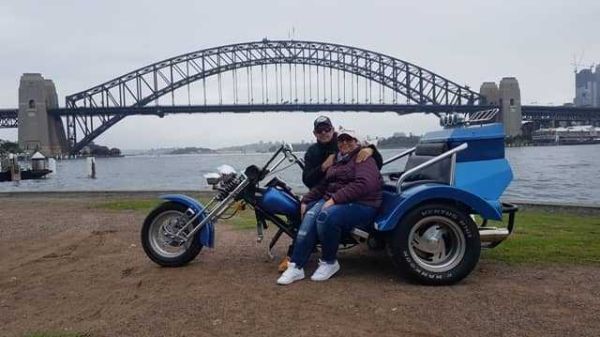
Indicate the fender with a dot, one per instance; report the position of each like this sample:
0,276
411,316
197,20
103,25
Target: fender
396,205
206,234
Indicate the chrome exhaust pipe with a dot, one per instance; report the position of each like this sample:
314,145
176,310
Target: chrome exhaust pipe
491,234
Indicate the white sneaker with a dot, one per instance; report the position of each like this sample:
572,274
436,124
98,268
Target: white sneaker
325,271
291,274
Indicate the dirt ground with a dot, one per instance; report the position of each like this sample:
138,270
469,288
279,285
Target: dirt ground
67,266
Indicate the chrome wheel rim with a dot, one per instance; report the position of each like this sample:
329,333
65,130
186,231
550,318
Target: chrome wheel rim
162,239
437,244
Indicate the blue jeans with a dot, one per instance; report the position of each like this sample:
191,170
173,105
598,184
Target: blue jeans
327,226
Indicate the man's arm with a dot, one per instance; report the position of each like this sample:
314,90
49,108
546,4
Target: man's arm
312,173
377,156
370,151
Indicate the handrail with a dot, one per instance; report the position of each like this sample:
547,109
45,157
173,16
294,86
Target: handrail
429,163
396,157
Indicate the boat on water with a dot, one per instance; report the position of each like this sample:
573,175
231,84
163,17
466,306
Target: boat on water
10,168
571,135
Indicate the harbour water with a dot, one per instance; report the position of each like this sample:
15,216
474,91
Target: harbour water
561,174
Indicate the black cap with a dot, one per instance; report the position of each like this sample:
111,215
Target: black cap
322,120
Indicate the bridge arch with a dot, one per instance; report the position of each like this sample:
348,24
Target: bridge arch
147,84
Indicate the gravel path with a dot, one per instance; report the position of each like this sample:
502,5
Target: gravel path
68,266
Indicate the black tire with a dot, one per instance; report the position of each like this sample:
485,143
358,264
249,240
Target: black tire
150,237
415,251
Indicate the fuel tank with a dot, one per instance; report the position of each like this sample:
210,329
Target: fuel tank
278,201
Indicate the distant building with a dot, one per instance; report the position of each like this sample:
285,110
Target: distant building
571,135
587,88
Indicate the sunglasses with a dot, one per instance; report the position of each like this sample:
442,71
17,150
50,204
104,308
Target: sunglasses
323,130
345,138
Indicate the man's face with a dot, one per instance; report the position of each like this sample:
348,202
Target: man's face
323,133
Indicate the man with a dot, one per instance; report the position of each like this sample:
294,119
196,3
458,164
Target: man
321,155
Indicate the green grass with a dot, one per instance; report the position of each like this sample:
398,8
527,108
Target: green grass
132,204
245,220
56,334
539,238
129,204
544,237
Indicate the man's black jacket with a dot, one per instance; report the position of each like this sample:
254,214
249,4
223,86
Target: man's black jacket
315,156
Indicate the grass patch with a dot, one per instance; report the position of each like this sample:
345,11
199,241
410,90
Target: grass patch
244,220
129,204
548,237
132,204
56,334
540,238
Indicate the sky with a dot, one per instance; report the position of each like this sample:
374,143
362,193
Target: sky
79,44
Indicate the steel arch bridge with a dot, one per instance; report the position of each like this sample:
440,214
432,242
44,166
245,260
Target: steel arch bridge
91,112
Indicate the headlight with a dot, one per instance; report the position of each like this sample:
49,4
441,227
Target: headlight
212,178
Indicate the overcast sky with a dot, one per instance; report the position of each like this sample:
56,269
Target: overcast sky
79,44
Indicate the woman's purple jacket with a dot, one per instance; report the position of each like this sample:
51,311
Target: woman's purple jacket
348,181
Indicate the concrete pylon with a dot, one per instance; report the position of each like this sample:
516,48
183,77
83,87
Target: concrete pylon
39,131
510,106
490,93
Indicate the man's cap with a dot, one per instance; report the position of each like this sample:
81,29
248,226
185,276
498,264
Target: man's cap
322,121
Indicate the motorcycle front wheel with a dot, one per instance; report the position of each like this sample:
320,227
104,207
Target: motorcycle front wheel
157,239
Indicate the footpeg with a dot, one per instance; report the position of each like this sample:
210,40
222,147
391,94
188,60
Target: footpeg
359,234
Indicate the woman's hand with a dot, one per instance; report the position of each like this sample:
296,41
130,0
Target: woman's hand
364,154
330,202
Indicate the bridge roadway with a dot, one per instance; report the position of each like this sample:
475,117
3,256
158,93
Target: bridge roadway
247,108
9,117
529,112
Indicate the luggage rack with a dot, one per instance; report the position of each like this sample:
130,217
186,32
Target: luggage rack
474,118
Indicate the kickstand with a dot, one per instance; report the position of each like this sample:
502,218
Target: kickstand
272,244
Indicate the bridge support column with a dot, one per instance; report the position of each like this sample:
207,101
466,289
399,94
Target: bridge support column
507,97
38,130
510,106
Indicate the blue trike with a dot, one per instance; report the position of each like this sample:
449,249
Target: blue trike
433,221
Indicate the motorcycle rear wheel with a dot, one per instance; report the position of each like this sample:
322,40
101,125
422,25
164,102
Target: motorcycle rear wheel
435,244
161,248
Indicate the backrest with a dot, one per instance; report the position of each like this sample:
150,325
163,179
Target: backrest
439,171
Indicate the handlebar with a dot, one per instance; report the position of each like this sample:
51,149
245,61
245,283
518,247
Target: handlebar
286,149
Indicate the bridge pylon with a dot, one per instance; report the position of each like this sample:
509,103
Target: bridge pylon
506,96
38,130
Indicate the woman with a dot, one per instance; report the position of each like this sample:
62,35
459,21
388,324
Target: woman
348,196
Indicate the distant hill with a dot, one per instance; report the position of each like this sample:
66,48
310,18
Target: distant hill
191,150
396,142
263,147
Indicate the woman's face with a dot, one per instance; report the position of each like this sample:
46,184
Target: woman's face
346,144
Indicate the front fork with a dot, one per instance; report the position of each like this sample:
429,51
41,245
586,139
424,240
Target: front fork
212,212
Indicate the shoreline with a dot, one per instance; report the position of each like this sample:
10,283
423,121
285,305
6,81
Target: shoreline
588,208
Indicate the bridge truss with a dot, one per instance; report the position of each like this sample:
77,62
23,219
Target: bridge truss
9,118
265,76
